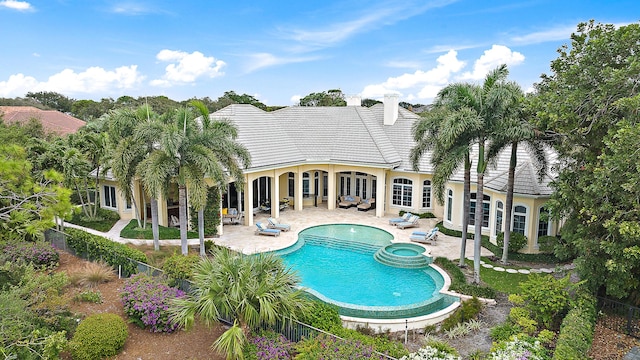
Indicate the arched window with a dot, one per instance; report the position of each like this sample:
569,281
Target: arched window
486,210
292,186
449,204
305,184
520,219
499,214
543,222
402,192
426,194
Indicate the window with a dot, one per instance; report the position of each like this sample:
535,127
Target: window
499,209
305,185
486,207
543,222
402,192
348,189
110,197
292,186
325,185
449,204
426,194
520,219
364,188
374,187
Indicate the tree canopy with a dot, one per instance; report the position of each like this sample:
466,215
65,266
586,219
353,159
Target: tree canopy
589,106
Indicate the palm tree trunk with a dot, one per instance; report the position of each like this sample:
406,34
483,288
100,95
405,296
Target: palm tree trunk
182,202
509,202
154,224
477,244
465,209
201,230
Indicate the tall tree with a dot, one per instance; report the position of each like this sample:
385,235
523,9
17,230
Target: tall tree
52,100
514,130
440,131
587,104
190,149
249,289
333,97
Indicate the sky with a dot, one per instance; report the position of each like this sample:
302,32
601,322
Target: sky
280,51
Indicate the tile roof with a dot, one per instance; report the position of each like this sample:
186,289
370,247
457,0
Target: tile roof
353,135
53,121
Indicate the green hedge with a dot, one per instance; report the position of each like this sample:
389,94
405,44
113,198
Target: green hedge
95,247
425,215
487,244
576,332
459,281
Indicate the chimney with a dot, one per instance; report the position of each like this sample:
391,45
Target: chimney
353,100
390,109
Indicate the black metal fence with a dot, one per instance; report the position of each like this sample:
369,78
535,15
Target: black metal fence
293,330
622,318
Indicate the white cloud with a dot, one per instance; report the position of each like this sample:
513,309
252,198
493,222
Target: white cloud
497,55
555,34
91,81
16,5
295,99
258,61
426,82
187,68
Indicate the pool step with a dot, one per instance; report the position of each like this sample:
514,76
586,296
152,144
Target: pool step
406,262
330,242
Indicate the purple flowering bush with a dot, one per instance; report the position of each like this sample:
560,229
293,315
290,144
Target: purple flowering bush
268,345
146,300
40,254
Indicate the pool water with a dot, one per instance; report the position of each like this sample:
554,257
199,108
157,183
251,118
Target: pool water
336,264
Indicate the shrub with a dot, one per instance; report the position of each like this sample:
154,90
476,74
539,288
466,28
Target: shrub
103,222
504,332
380,343
98,248
99,336
468,310
576,332
425,215
431,353
180,267
519,348
546,298
547,243
516,242
146,301
268,345
521,317
89,296
322,316
330,348
546,336
40,254
94,273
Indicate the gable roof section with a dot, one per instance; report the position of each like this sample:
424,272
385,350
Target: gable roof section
53,121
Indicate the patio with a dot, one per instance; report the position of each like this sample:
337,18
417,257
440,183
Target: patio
242,238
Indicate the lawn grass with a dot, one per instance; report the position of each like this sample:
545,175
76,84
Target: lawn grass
500,280
132,231
106,220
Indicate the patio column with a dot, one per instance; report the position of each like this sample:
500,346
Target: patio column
220,226
331,188
248,201
275,198
298,198
381,196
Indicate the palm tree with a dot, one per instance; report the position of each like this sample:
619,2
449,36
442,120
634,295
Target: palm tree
514,130
188,150
439,131
251,290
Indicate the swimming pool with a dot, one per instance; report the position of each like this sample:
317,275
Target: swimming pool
336,265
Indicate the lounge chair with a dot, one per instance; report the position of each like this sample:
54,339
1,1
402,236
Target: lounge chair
347,201
403,218
263,230
274,224
366,204
412,222
232,216
425,237
174,221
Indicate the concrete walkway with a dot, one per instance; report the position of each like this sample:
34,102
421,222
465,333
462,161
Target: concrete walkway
243,238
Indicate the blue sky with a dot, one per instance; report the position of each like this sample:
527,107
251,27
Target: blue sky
279,51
